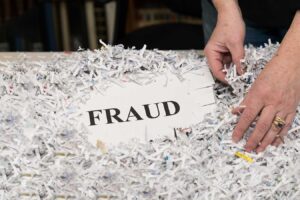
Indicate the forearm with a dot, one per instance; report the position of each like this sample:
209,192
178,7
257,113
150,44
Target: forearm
290,47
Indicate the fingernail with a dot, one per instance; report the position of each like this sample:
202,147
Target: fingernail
242,71
259,150
248,149
235,139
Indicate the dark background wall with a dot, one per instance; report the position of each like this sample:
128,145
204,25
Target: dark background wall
64,25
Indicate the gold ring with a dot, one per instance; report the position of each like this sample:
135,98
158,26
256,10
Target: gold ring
278,122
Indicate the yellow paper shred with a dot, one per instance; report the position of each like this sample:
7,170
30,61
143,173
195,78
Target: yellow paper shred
244,156
100,145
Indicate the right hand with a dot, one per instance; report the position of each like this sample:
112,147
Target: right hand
226,44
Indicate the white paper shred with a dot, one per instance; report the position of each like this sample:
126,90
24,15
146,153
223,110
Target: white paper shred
45,154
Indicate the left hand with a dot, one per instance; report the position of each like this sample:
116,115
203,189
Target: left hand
275,93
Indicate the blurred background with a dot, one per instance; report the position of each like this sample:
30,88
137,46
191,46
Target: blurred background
66,25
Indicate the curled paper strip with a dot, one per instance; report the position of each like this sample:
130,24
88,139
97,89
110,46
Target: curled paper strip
44,152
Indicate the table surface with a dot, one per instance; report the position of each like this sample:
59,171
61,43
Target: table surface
31,55
45,55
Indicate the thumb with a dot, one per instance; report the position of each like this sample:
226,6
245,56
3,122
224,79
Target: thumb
237,52
214,59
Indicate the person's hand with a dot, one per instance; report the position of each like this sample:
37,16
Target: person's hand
275,93
226,44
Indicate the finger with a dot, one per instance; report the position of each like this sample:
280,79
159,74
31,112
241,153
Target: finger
216,65
227,60
237,53
262,127
271,134
248,116
278,141
238,110
284,131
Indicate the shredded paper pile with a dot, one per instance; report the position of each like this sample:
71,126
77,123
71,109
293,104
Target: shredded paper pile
56,161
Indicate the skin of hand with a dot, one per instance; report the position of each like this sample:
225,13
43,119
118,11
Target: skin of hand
226,44
276,92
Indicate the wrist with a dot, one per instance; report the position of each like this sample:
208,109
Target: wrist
289,55
289,49
227,7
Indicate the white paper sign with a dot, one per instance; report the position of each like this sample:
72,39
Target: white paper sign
149,111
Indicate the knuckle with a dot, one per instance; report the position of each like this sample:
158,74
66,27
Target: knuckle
280,101
248,116
264,94
238,131
262,127
267,88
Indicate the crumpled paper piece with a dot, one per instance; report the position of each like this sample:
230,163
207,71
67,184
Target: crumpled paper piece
57,162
